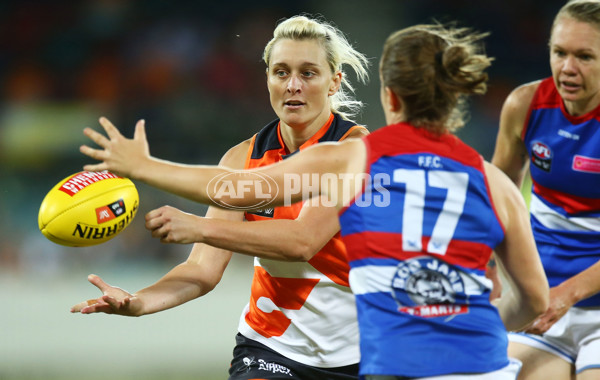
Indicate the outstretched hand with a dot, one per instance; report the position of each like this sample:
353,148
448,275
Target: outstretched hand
113,300
119,155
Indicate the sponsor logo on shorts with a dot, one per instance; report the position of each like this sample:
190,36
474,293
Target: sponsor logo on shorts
273,367
248,363
263,365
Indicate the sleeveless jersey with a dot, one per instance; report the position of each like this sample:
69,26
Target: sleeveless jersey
565,171
418,239
303,310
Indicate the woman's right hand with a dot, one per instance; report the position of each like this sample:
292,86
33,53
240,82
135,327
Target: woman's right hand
114,300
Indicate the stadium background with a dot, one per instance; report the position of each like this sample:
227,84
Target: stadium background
194,72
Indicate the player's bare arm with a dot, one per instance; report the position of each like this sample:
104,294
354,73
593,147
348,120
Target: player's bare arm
510,154
198,275
191,181
528,295
281,239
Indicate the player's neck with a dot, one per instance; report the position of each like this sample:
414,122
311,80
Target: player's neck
294,135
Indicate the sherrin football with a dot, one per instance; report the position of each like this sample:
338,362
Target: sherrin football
88,208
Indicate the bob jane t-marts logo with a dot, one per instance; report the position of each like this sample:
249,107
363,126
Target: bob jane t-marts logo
227,187
541,155
427,288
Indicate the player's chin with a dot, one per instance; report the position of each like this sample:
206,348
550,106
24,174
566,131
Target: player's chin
296,119
571,93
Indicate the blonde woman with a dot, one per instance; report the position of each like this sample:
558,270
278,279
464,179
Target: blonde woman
300,322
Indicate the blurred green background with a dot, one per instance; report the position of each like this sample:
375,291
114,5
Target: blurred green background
193,71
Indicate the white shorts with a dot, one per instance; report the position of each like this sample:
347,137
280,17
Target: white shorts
575,338
509,372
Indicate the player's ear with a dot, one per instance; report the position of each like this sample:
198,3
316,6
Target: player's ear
336,82
392,101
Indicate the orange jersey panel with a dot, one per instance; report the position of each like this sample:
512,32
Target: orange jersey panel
304,311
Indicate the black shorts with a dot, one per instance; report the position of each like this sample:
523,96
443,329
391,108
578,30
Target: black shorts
253,360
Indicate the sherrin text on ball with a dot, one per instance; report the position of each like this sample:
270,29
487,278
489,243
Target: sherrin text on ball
88,208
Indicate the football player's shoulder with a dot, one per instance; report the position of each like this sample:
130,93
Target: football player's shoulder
236,156
521,97
357,131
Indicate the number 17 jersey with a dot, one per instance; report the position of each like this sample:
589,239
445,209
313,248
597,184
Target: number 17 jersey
418,239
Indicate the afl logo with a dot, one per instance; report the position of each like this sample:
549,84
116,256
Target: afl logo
227,187
541,150
541,155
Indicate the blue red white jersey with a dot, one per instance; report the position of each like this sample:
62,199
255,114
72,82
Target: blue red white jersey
418,240
565,171
305,311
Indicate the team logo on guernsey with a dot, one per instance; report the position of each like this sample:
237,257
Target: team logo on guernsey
541,155
427,287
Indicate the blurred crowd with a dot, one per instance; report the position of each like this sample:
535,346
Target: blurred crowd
194,72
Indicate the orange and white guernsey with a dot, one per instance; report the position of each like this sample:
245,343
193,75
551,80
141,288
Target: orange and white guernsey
302,310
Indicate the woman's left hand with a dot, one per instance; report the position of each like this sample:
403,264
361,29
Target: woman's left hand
561,301
119,155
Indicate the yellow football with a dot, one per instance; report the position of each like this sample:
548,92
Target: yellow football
88,208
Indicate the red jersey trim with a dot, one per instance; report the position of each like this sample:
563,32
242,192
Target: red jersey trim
570,203
386,245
